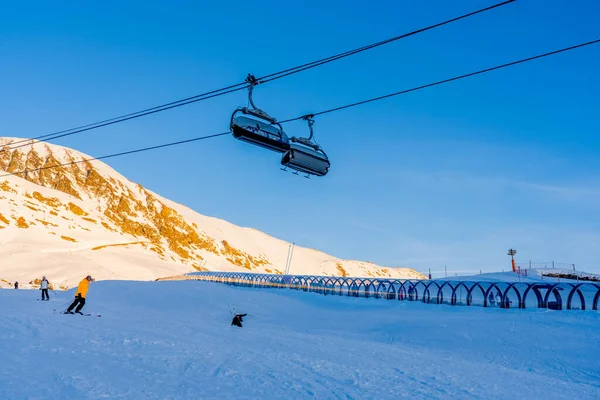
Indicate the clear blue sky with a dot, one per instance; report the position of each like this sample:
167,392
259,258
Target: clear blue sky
452,175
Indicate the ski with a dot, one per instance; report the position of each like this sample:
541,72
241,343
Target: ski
88,314
85,315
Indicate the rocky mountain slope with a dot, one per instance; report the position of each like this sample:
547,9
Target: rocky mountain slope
67,221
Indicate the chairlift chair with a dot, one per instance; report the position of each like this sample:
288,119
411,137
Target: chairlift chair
257,127
306,156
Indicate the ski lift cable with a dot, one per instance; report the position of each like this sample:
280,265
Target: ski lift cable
281,74
123,153
319,113
115,120
358,103
242,85
213,92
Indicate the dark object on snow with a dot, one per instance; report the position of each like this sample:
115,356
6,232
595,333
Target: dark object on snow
491,300
237,320
16,285
554,305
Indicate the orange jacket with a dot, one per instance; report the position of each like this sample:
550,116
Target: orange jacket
83,287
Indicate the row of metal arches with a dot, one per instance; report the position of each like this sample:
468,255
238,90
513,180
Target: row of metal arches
487,294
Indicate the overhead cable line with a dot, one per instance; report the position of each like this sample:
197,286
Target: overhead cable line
325,111
123,153
243,85
118,119
483,71
281,74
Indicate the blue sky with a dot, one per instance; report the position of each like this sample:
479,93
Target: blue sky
452,175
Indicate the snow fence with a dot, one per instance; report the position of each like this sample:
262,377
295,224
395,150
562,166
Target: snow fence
555,296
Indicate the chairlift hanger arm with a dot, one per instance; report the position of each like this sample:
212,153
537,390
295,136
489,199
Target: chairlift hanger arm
308,141
252,81
250,89
311,121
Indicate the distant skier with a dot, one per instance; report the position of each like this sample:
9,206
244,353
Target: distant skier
237,320
491,299
16,285
44,287
507,302
82,290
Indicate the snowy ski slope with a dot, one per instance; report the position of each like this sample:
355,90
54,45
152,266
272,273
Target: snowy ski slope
173,340
533,275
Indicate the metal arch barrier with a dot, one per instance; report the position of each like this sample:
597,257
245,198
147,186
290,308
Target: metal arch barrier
440,293
392,292
570,296
416,290
340,282
459,285
538,295
408,294
354,284
368,285
470,294
596,298
427,293
382,288
489,290
420,288
506,299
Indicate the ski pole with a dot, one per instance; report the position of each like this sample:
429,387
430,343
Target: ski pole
64,306
230,311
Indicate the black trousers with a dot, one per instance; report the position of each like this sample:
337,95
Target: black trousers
79,302
45,294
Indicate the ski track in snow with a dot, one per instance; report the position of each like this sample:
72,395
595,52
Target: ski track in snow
173,340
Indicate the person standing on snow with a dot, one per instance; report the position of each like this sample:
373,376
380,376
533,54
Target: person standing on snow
82,290
491,299
44,288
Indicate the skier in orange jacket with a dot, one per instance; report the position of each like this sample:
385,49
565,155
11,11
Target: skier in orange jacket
82,290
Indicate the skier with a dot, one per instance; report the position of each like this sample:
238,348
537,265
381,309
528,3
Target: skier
492,300
16,285
411,292
44,288
80,295
237,320
507,302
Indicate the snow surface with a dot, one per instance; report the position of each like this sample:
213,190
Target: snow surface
533,275
173,340
493,277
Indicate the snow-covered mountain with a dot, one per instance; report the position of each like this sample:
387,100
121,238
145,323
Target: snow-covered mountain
85,218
